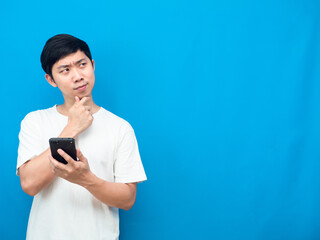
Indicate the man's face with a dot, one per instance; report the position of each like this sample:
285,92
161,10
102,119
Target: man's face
73,75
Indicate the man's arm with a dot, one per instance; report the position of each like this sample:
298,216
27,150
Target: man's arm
119,195
36,173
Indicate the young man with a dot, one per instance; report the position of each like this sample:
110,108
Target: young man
79,200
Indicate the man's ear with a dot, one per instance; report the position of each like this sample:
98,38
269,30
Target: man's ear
50,80
93,64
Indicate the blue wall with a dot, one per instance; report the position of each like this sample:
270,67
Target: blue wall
224,98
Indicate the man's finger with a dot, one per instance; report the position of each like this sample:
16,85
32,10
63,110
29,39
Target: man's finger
55,164
88,108
51,163
80,156
66,157
84,100
77,98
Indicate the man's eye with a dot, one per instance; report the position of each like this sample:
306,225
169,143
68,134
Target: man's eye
65,70
83,64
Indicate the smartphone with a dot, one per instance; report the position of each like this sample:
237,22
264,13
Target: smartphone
66,144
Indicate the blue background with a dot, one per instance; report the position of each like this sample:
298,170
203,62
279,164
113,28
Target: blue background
224,98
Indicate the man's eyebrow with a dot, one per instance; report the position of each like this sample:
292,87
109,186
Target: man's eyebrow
63,66
68,65
79,61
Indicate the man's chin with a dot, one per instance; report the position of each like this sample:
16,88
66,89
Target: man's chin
80,96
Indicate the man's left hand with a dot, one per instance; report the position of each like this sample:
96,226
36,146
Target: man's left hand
75,171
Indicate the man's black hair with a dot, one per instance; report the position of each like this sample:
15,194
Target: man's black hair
60,46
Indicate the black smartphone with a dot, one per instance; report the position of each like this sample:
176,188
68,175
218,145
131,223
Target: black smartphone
66,144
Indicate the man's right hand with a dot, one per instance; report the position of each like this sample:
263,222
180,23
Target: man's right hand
79,116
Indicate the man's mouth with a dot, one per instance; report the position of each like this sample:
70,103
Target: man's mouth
81,87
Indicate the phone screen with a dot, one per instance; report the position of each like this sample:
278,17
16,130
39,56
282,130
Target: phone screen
66,144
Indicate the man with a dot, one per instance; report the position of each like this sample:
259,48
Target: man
79,200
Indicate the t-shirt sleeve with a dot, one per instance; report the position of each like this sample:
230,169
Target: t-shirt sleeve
29,139
128,167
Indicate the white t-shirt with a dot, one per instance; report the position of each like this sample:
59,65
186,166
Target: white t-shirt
63,210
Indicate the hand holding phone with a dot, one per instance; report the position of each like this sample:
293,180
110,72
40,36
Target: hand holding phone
66,144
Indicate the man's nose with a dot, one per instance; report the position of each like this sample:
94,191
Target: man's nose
76,75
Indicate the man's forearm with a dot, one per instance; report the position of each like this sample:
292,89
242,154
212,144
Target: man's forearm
36,174
119,195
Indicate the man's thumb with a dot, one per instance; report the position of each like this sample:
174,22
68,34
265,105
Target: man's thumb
80,155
